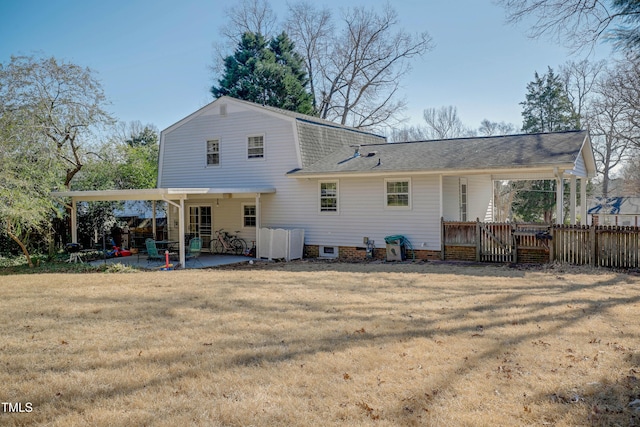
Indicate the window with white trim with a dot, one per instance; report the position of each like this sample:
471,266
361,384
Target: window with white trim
249,217
255,147
329,196
397,193
213,152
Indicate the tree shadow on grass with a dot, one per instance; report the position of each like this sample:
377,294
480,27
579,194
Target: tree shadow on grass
353,327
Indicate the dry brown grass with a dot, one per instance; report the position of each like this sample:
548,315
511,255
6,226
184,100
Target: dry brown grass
311,344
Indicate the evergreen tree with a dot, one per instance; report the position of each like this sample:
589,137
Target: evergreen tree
266,73
546,108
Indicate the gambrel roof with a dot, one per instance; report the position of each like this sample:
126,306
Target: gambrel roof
316,137
569,151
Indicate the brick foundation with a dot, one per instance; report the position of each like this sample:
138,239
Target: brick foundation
351,253
532,256
452,253
311,251
460,253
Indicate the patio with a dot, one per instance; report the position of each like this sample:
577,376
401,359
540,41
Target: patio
205,260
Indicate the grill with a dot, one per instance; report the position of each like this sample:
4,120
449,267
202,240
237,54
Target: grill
73,249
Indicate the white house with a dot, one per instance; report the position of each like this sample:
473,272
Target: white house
624,211
239,166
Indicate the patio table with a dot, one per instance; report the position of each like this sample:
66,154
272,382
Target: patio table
165,244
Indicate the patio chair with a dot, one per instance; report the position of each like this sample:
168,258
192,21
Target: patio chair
152,251
195,248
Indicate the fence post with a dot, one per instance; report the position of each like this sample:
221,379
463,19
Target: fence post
592,241
551,242
478,240
443,235
514,244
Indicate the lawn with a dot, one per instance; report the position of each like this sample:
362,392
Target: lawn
310,344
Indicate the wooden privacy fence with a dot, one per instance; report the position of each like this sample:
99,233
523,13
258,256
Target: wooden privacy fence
605,246
598,245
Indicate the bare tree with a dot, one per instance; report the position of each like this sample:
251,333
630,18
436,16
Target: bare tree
444,123
631,176
576,23
489,128
408,133
611,125
310,29
253,16
627,86
355,71
363,70
580,79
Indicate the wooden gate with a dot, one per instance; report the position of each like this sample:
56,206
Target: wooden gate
496,242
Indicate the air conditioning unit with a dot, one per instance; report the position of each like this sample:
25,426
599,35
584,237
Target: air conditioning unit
394,252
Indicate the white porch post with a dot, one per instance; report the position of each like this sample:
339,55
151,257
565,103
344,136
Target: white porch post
441,196
181,235
258,224
74,221
181,252
583,201
153,218
559,197
574,200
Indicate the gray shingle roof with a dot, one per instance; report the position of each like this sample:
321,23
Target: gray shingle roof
319,137
319,140
490,153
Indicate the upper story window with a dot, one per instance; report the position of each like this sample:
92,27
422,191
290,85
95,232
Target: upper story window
213,152
397,193
255,147
329,196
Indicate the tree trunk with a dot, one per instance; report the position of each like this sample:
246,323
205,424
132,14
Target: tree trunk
22,246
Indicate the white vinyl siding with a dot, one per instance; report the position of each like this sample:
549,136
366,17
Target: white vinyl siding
362,212
328,196
580,168
255,147
183,149
479,200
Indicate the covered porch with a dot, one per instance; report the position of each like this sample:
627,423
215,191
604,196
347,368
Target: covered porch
577,183
177,199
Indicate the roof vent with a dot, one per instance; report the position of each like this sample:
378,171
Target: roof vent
223,110
357,151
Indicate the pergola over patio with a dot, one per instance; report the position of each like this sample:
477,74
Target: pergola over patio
174,196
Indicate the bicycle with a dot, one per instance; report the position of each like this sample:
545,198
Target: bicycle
227,243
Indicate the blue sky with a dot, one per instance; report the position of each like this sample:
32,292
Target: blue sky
154,57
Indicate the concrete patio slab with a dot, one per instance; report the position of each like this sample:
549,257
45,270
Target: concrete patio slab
203,261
